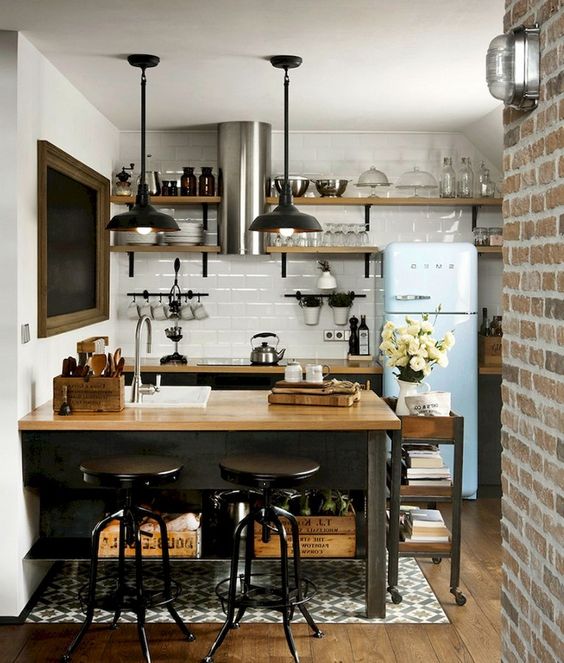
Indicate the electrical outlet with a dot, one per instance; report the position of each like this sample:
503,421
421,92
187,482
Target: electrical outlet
328,335
339,334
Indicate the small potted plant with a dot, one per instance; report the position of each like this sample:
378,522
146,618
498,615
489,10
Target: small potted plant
326,281
311,305
340,303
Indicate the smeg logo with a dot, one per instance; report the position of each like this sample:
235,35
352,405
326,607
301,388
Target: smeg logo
437,265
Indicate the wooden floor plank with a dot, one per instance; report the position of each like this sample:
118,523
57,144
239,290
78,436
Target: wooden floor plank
411,644
370,644
12,640
447,644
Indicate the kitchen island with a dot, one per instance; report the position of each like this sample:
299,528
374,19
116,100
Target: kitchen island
349,444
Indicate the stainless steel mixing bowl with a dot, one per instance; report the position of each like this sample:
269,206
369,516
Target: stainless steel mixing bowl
331,187
298,183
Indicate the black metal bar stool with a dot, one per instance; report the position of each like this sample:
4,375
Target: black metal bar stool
265,472
128,473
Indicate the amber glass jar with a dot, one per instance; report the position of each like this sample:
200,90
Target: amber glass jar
188,183
206,183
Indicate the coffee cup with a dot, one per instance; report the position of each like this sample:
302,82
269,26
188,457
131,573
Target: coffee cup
146,309
186,312
132,311
199,311
316,372
160,311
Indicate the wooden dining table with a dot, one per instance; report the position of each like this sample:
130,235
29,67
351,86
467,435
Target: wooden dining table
348,442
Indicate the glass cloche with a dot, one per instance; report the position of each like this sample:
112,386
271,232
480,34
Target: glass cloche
372,178
417,180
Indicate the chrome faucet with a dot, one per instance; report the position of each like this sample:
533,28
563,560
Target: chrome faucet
137,387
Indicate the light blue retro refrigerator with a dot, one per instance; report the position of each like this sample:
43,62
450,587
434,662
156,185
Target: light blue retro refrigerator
418,277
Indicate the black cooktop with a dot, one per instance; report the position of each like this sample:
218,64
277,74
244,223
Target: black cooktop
230,361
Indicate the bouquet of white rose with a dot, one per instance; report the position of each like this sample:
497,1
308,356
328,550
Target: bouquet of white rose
412,348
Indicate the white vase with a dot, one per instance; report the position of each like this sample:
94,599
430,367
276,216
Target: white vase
340,314
408,389
311,314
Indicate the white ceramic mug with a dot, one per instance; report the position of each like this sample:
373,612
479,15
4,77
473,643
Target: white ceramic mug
293,372
316,372
132,311
199,311
186,312
146,309
160,311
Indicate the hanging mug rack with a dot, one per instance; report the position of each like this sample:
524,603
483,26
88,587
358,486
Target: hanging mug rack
298,294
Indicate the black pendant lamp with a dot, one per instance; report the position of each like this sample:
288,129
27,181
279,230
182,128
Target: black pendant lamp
143,217
286,217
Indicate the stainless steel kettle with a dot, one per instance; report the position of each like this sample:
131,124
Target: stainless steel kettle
264,353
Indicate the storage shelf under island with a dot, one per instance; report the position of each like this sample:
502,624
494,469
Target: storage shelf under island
352,456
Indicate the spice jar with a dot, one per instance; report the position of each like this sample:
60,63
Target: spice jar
495,236
481,237
188,182
173,188
206,182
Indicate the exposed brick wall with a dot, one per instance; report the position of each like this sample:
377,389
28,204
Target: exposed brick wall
533,356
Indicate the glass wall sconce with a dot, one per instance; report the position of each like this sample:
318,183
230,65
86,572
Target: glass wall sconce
513,67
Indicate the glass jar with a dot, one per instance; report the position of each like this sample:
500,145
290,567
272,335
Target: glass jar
486,187
165,188
447,181
206,182
495,236
188,182
173,187
481,237
465,180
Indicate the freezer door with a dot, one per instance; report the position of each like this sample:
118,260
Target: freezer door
460,377
420,276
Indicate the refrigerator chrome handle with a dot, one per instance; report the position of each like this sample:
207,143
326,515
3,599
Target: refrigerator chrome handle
406,298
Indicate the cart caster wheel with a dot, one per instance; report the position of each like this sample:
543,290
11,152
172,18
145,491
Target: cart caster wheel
235,625
319,634
396,596
65,659
437,560
190,637
459,598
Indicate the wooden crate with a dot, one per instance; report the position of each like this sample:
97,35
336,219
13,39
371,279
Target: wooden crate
489,350
180,544
90,394
320,536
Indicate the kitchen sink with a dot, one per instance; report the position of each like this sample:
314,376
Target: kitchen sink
172,397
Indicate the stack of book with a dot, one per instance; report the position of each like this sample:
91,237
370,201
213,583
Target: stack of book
425,526
424,466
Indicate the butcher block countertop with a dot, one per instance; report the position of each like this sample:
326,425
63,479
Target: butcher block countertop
225,411
337,367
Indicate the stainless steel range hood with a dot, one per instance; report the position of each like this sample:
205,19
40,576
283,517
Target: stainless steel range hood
244,166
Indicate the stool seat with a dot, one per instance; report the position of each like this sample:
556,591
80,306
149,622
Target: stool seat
112,470
261,470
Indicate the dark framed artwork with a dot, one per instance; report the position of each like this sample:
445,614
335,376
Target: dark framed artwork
73,245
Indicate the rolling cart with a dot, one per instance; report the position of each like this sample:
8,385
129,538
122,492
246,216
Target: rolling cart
414,431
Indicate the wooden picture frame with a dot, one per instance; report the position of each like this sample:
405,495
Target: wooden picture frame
73,208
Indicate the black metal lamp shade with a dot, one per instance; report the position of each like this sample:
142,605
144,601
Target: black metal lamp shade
286,216
143,217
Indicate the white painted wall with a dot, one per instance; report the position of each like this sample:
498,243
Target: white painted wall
247,293
36,102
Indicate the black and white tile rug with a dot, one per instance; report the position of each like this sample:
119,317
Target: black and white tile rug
339,598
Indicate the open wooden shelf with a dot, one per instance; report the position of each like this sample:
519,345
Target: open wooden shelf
414,201
322,249
490,249
169,200
155,248
489,370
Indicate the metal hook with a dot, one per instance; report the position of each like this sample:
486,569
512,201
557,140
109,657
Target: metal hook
146,295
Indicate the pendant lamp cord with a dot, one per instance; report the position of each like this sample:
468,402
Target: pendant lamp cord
143,191
286,124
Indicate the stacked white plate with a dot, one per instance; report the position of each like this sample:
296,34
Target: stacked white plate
190,233
136,238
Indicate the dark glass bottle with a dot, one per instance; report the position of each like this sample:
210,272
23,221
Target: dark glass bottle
188,182
206,183
363,337
485,328
353,338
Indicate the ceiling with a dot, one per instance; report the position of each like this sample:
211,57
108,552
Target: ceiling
369,65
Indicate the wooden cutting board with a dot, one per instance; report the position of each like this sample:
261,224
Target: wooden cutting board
283,384
332,400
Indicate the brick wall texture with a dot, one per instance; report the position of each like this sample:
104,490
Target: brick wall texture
533,355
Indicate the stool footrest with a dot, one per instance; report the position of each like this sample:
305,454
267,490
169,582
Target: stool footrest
257,595
110,599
